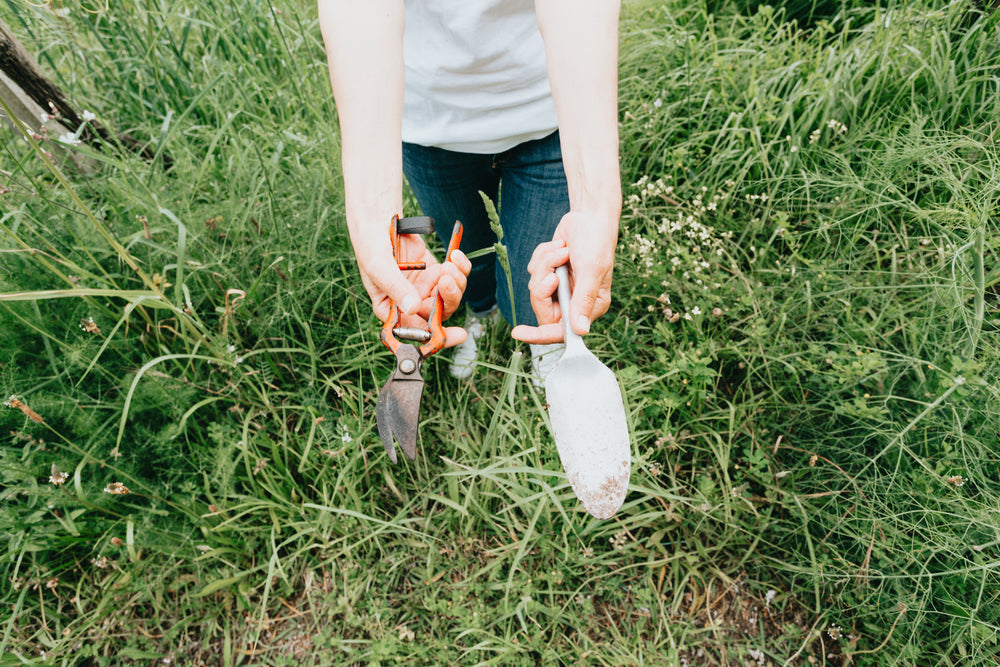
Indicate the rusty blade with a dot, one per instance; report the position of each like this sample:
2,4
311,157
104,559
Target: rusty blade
383,421
397,412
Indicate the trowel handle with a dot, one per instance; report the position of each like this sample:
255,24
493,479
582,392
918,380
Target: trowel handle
570,337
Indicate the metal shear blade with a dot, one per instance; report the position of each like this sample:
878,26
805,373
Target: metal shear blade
398,410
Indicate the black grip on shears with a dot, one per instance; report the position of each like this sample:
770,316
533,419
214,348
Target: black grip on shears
402,226
421,224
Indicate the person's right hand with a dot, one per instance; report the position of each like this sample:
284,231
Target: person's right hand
412,291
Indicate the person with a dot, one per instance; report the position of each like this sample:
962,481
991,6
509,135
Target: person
513,98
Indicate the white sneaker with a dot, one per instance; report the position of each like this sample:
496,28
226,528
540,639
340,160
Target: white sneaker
464,360
543,359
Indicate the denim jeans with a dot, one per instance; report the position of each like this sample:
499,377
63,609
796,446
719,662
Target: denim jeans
533,198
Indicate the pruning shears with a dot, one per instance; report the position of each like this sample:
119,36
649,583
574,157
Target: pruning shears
397,412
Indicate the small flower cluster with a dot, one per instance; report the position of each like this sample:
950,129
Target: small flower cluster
116,489
68,138
678,247
231,350
956,480
836,126
648,190
619,540
57,477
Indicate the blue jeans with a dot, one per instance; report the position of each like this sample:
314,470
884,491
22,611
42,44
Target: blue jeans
533,198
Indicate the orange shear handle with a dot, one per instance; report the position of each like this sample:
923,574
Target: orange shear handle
436,343
437,339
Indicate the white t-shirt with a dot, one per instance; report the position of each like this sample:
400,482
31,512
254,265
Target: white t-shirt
476,80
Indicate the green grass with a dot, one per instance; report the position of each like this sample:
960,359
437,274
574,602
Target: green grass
804,321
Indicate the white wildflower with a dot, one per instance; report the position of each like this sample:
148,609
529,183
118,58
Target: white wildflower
57,477
619,540
769,598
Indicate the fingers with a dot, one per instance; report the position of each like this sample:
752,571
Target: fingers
454,336
451,296
581,305
388,286
542,287
545,333
591,295
383,280
447,280
592,238
543,282
454,281
459,262
547,256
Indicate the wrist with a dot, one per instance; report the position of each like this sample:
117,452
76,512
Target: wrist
594,185
371,198
603,201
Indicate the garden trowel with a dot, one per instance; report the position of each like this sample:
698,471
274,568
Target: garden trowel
588,421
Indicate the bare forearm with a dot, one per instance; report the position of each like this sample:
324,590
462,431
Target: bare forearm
581,50
364,42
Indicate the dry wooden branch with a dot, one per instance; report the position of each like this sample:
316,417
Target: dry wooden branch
30,94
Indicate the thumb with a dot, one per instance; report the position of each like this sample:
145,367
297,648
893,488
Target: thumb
581,308
397,289
404,294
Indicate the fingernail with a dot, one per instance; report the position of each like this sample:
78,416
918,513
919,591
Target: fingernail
583,324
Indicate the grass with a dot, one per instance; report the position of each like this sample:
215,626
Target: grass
804,322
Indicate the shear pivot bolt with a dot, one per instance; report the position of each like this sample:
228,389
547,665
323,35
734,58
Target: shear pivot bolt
407,366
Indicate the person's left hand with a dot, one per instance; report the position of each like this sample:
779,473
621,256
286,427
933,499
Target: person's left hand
587,242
